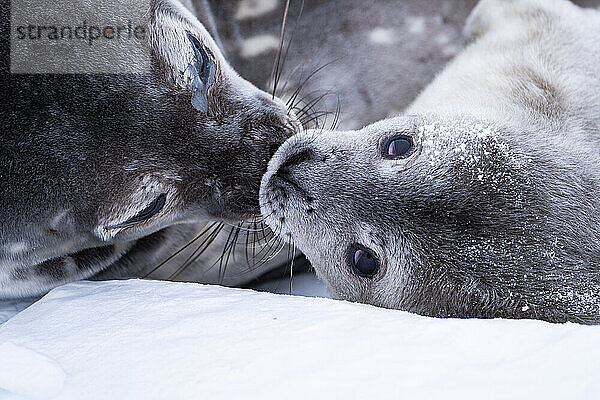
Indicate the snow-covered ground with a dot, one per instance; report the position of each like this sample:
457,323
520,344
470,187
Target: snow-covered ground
160,340
302,284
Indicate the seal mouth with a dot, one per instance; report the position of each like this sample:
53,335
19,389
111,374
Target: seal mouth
280,191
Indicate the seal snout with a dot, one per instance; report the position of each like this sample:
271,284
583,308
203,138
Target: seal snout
284,192
286,167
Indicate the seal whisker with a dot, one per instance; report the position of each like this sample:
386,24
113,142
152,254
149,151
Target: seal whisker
242,227
298,68
228,243
183,248
290,262
309,106
265,249
230,248
198,252
247,245
338,111
266,254
291,101
277,66
288,48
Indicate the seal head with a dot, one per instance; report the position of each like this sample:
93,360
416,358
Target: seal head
443,217
482,199
102,171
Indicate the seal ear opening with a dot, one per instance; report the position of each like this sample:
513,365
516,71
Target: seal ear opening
186,54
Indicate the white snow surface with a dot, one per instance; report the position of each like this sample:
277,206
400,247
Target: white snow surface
142,339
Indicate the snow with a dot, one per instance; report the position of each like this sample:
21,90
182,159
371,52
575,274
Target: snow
303,284
20,364
164,340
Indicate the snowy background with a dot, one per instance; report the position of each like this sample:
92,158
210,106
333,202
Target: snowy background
156,340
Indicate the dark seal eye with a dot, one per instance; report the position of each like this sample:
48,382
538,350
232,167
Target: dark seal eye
363,261
151,210
398,147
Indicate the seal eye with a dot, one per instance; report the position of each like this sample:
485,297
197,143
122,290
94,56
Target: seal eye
151,210
398,147
364,262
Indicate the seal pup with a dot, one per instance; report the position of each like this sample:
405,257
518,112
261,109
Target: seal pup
113,172
483,198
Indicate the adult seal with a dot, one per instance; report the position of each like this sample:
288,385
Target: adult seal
483,198
113,173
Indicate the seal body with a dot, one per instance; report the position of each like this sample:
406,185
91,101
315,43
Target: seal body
106,172
481,200
371,61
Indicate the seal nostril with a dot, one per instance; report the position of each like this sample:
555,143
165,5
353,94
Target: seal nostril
285,180
296,159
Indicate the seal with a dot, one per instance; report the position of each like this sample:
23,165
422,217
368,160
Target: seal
106,172
370,62
483,198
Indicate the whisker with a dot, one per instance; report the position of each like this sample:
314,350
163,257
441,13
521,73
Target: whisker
310,105
246,245
225,249
290,102
267,252
241,225
198,252
204,230
265,249
291,251
288,46
275,72
230,253
338,111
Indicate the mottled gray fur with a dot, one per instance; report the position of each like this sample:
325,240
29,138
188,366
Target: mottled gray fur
497,211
